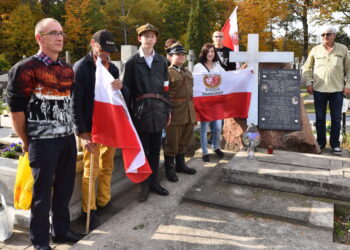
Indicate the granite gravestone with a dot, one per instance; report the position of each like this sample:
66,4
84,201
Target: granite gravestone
279,99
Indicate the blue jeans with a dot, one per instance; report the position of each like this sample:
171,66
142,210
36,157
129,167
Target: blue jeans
217,125
335,105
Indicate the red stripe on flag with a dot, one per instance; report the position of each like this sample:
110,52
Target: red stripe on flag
111,127
227,42
212,108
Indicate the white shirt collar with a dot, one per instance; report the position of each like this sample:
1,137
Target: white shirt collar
142,54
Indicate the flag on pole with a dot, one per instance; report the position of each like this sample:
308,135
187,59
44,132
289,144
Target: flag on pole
112,126
230,31
217,96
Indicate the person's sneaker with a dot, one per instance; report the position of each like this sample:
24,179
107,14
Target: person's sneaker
337,151
219,153
206,158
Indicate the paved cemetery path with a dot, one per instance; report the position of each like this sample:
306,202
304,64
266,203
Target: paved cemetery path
169,223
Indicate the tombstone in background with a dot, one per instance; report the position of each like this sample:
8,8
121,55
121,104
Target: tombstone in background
126,52
68,58
3,83
234,128
191,57
297,141
301,140
279,99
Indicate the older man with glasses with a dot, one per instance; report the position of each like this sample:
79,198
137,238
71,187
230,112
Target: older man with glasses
327,76
40,86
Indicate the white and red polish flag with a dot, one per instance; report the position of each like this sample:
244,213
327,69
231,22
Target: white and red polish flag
230,31
112,126
217,96
166,86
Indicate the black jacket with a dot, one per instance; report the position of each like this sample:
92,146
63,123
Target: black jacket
149,114
84,92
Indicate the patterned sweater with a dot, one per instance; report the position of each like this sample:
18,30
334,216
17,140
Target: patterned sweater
42,88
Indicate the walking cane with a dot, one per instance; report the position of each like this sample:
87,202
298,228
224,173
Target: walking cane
90,192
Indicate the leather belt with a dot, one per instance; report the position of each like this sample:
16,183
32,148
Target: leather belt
152,95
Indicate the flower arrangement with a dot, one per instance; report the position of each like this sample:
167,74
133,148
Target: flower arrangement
11,151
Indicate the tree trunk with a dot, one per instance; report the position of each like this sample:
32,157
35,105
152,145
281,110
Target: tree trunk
286,36
125,34
305,28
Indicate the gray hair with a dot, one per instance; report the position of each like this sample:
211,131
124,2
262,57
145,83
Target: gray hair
329,28
42,23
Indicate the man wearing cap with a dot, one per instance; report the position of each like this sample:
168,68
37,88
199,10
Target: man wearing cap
102,44
145,80
324,72
183,118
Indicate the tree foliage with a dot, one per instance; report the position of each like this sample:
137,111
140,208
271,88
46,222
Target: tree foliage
276,21
81,21
194,37
343,38
18,36
124,23
5,65
175,16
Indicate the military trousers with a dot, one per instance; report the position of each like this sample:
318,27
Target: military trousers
178,138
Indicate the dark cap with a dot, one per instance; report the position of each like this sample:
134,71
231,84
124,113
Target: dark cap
176,48
106,40
147,27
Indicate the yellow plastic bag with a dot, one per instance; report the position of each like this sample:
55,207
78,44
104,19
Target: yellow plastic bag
23,192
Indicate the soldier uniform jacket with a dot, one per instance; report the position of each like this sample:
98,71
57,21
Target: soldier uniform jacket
181,95
149,114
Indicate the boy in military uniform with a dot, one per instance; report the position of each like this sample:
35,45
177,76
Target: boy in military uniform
145,83
178,133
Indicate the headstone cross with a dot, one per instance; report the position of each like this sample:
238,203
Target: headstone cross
253,57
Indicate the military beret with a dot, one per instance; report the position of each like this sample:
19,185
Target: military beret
147,27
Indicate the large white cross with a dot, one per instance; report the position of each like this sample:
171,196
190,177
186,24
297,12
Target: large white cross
253,57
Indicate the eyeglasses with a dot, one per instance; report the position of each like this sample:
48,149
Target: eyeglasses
326,34
218,36
53,33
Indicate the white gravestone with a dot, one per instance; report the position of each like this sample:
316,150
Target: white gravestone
126,52
253,57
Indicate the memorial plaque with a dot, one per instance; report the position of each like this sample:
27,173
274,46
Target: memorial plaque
279,99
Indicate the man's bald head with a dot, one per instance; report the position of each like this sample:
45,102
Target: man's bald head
40,26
